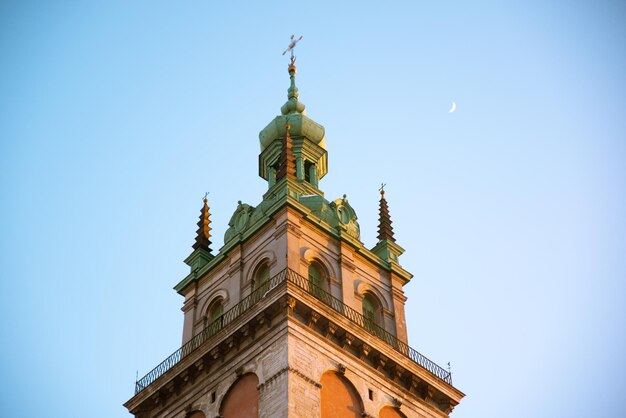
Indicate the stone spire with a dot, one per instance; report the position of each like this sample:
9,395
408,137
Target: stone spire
385,230
387,248
204,230
286,164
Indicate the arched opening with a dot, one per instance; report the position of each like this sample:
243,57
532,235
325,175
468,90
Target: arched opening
318,279
389,412
261,279
310,173
339,398
196,414
215,315
372,312
242,399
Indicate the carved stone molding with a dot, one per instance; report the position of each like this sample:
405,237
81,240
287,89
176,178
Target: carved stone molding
272,378
331,329
234,268
280,230
348,340
259,320
216,353
381,362
290,304
304,377
232,342
368,350
422,390
294,229
365,351
347,264
341,369
189,304
200,365
314,318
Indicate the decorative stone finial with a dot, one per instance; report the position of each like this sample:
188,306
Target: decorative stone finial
203,233
385,231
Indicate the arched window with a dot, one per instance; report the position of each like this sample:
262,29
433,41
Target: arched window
318,280
389,412
215,314
339,398
242,399
372,313
261,279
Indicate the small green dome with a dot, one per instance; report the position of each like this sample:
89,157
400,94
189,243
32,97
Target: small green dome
293,113
300,125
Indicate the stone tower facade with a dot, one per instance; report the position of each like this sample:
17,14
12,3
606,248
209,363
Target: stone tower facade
294,316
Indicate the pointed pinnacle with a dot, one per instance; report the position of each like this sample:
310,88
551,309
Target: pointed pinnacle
204,230
385,230
286,164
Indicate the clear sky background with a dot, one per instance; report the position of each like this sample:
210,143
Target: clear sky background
117,116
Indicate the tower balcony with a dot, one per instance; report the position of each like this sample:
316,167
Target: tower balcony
302,301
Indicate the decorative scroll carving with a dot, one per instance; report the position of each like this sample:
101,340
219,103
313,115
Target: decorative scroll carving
348,340
365,351
290,304
331,329
216,353
382,362
314,318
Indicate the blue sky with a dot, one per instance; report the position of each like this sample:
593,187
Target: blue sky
116,117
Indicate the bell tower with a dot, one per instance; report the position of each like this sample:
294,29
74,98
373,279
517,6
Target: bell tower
294,316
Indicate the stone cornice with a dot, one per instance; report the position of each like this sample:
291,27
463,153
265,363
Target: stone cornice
360,344
296,305
228,341
290,369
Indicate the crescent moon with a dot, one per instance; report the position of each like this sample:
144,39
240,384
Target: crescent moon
453,108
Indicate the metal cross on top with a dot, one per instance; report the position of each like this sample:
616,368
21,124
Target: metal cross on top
382,188
291,46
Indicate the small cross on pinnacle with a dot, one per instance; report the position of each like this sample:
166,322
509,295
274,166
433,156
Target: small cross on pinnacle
205,195
382,188
291,46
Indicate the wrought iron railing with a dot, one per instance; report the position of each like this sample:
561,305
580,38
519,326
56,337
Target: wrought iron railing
371,327
308,286
210,330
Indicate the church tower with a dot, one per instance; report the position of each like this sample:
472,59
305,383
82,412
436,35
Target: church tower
294,316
